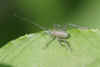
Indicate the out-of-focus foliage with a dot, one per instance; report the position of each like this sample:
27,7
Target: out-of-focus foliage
83,12
45,13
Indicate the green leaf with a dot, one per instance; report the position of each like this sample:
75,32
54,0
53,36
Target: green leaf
28,50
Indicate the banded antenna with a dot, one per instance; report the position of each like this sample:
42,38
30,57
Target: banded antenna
31,21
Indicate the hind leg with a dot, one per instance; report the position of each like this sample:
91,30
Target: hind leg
68,45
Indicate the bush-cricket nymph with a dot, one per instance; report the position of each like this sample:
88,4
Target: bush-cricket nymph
59,33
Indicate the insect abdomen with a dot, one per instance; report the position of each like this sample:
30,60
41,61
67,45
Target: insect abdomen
60,34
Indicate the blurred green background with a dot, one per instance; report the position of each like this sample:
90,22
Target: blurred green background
46,13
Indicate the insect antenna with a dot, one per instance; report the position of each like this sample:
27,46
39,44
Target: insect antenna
31,21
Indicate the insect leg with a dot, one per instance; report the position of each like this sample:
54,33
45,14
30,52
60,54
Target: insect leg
60,41
50,42
64,28
69,46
